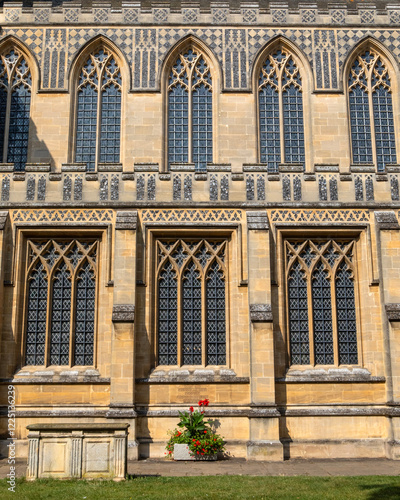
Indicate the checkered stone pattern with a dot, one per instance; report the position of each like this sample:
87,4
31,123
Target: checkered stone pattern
131,16
42,15
279,16
101,15
338,16
12,15
191,15
249,16
394,16
220,16
33,38
257,38
308,16
348,39
71,15
160,15
367,16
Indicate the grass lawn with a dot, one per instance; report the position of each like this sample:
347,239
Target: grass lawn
211,487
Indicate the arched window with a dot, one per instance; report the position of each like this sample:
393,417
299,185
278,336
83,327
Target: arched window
15,103
371,111
189,110
321,302
280,108
98,115
61,286
191,302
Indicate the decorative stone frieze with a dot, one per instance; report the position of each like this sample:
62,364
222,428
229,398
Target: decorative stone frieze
260,313
393,312
123,313
387,220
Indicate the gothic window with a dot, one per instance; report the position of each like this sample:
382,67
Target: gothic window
371,111
61,296
321,302
15,102
191,302
280,105
98,116
190,110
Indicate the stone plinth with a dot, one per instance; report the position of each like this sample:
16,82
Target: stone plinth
77,451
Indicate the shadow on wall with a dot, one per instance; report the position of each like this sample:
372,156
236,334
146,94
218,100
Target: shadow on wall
38,151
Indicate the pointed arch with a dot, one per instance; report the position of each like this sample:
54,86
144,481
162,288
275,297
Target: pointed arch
18,81
190,82
97,76
281,81
370,80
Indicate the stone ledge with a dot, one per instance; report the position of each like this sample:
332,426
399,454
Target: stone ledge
260,313
126,220
3,219
387,220
76,426
340,411
123,313
393,312
257,220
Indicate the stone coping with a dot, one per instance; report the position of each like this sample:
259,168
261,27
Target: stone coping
318,379
77,427
192,379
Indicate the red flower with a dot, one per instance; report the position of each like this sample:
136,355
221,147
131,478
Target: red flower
205,432
191,409
206,402
179,433
200,403
198,452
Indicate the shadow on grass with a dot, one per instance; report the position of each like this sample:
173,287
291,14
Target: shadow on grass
130,477
384,491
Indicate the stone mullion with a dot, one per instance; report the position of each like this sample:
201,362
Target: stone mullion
281,120
98,121
190,115
72,323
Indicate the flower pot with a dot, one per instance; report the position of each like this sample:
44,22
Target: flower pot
182,452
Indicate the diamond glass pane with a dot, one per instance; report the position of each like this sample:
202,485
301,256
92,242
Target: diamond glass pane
85,316
360,123
322,316
110,115
3,111
298,316
167,316
86,126
346,316
191,316
36,316
178,118
60,317
18,133
216,327
293,124
384,127
270,142
202,116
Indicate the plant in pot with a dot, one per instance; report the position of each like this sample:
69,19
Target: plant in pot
196,440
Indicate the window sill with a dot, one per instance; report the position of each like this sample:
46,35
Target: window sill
320,375
56,375
192,375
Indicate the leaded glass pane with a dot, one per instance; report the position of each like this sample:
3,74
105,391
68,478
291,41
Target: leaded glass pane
85,316
86,126
18,133
322,316
202,115
3,105
215,298
36,316
270,146
60,317
167,316
292,101
360,125
110,114
191,316
346,316
298,316
384,127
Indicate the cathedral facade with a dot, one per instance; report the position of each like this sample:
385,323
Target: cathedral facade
202,201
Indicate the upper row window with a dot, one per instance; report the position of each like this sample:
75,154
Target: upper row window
189,111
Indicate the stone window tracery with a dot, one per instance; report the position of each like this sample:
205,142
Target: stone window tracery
98,116
191,302
61,296
321,302
280,107
15,102
371,111
190,88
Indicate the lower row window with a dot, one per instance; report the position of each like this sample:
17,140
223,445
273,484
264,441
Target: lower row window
61,296
191,302
321,300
